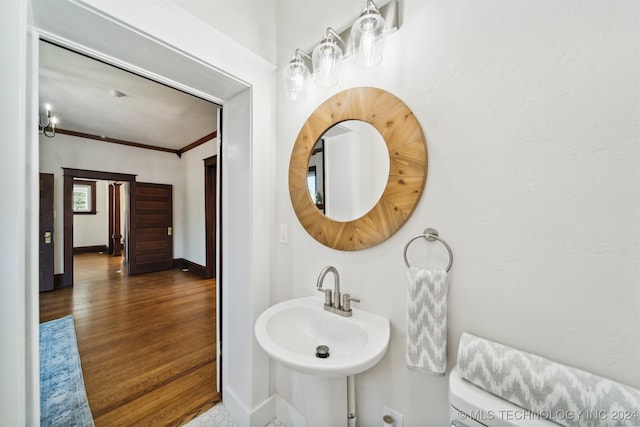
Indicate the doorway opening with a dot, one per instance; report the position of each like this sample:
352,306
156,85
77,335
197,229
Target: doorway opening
100,227
70,175
122,311
123,46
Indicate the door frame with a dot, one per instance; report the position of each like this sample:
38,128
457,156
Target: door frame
115,217
69,175
243,126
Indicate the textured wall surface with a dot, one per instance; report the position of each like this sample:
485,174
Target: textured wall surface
530,110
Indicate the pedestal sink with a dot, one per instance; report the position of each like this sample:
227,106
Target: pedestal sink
291,332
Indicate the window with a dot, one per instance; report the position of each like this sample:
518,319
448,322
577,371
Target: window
84,197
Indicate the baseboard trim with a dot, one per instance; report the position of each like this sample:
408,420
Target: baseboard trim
264,413
235,408
191,266
90,249
288,414
58,281
260,416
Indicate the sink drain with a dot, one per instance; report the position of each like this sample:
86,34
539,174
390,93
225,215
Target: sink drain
322,351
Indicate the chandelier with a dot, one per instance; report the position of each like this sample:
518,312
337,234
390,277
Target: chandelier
49,128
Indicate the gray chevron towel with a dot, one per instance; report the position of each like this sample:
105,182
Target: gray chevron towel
565,395
427,321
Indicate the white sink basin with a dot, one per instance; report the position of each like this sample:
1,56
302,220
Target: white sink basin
291,331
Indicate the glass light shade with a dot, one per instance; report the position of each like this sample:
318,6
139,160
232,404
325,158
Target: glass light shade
367,37
326,57
295,76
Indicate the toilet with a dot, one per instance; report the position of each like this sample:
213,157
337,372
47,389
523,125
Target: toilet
471,406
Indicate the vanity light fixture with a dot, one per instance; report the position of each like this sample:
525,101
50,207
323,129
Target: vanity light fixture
326,57
364,40
367,36
296,74
48,129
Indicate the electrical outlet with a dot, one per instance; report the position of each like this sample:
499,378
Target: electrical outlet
397,417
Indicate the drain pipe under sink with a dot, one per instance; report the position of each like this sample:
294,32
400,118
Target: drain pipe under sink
351,401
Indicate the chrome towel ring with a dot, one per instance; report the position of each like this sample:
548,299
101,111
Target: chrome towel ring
430,234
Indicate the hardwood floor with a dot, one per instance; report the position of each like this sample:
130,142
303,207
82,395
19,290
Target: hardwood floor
147,342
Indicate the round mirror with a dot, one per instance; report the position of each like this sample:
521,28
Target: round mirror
348,170
407,169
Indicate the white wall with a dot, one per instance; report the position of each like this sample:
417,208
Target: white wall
250,23
530,110
194,216
93,230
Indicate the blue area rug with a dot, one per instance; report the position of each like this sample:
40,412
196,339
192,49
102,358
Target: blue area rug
63,399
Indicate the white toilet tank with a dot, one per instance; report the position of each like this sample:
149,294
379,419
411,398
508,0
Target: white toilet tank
471,406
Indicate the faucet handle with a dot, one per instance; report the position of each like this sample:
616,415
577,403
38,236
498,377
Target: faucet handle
327,295
346,301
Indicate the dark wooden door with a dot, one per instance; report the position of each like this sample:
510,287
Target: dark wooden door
211,219
115,232
46,232
151,238
110,215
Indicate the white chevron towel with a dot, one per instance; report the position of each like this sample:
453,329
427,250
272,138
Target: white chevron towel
565,395
427,321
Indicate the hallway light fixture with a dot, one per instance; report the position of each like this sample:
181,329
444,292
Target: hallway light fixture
48,129
364,40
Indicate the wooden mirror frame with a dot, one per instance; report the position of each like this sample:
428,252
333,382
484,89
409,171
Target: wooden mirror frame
407,168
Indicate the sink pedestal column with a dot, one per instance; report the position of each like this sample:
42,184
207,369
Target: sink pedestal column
325,400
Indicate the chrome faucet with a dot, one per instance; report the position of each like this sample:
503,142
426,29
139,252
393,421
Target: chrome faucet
335,304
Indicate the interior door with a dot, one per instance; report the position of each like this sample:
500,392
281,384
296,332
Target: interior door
46,232
151,225
110,214
211,219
